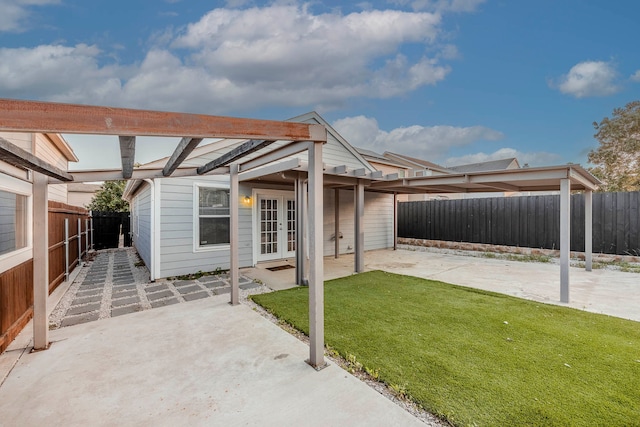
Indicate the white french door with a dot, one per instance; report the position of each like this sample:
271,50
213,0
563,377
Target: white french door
276,225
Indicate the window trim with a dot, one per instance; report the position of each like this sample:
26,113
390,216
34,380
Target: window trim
22,188
196,217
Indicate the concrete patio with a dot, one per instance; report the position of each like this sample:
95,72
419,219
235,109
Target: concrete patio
603,291
208,363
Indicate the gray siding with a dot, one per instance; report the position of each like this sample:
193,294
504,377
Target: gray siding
141,218
178,256
378,221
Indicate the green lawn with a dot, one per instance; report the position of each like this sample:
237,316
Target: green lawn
476,357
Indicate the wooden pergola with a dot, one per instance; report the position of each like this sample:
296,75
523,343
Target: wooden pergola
256,158
127,124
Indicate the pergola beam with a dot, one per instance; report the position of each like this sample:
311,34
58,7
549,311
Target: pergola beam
16,156
277,154
235,154
138,173
127,154
182,151
48,117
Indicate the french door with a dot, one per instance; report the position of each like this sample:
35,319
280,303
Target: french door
276,227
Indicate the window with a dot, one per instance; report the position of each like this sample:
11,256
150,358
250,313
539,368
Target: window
213,216
13,222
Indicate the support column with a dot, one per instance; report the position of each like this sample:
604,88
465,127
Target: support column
40,261
316,273
588,230
565,238
359,227
299,195
336,232
395,221
79,241
234,235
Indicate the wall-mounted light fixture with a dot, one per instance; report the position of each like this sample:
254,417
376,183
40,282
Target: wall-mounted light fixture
246,201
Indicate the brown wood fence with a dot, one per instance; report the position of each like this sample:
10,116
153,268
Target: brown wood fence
16,284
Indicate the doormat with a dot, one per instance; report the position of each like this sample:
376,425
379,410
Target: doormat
280,267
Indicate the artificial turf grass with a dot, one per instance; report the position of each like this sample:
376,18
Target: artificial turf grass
477,357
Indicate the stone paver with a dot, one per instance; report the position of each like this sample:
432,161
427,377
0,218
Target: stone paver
159,295
83,309
87,299
110,288
184,283
197,295
125,310
156,288
76,320
189,289
125,301
164,302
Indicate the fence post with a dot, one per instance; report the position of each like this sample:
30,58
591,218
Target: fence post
86,235
91,220
79,242
66,249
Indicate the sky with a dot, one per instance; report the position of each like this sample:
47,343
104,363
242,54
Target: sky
449,81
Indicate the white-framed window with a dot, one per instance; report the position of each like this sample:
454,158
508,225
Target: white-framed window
15,221
211,216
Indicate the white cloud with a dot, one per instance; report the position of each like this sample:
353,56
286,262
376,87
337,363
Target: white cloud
15,13
430,143
533,159
235,59
589,78
635,77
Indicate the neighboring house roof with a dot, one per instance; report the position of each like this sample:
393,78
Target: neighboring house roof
415,162
372,156
493,165
78,187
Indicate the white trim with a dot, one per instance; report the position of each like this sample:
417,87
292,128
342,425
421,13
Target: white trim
157,228
22,188
196,216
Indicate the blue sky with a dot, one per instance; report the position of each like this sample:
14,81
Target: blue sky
450,81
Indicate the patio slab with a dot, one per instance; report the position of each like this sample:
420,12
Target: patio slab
202,363
604,291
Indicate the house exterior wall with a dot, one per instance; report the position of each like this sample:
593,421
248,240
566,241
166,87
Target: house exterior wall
45,150
178,252
378,221
141,223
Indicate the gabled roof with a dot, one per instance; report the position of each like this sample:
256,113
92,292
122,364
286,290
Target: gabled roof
493,165
313,116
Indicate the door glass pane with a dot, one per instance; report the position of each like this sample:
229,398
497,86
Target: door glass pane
268,226
291,225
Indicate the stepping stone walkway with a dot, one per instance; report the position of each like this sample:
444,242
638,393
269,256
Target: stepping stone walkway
115,285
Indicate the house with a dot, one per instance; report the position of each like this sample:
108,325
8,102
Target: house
180,225
81,194
16,225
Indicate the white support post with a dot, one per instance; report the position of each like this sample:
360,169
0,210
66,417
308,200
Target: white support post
395,221
234,235
565,238
316,273
66,249
91,222
588,230
336,231
79,241
40,261
359,227
300,259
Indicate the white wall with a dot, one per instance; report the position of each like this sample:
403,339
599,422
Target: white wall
141,223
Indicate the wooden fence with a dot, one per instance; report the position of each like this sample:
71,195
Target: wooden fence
527,221
65,252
